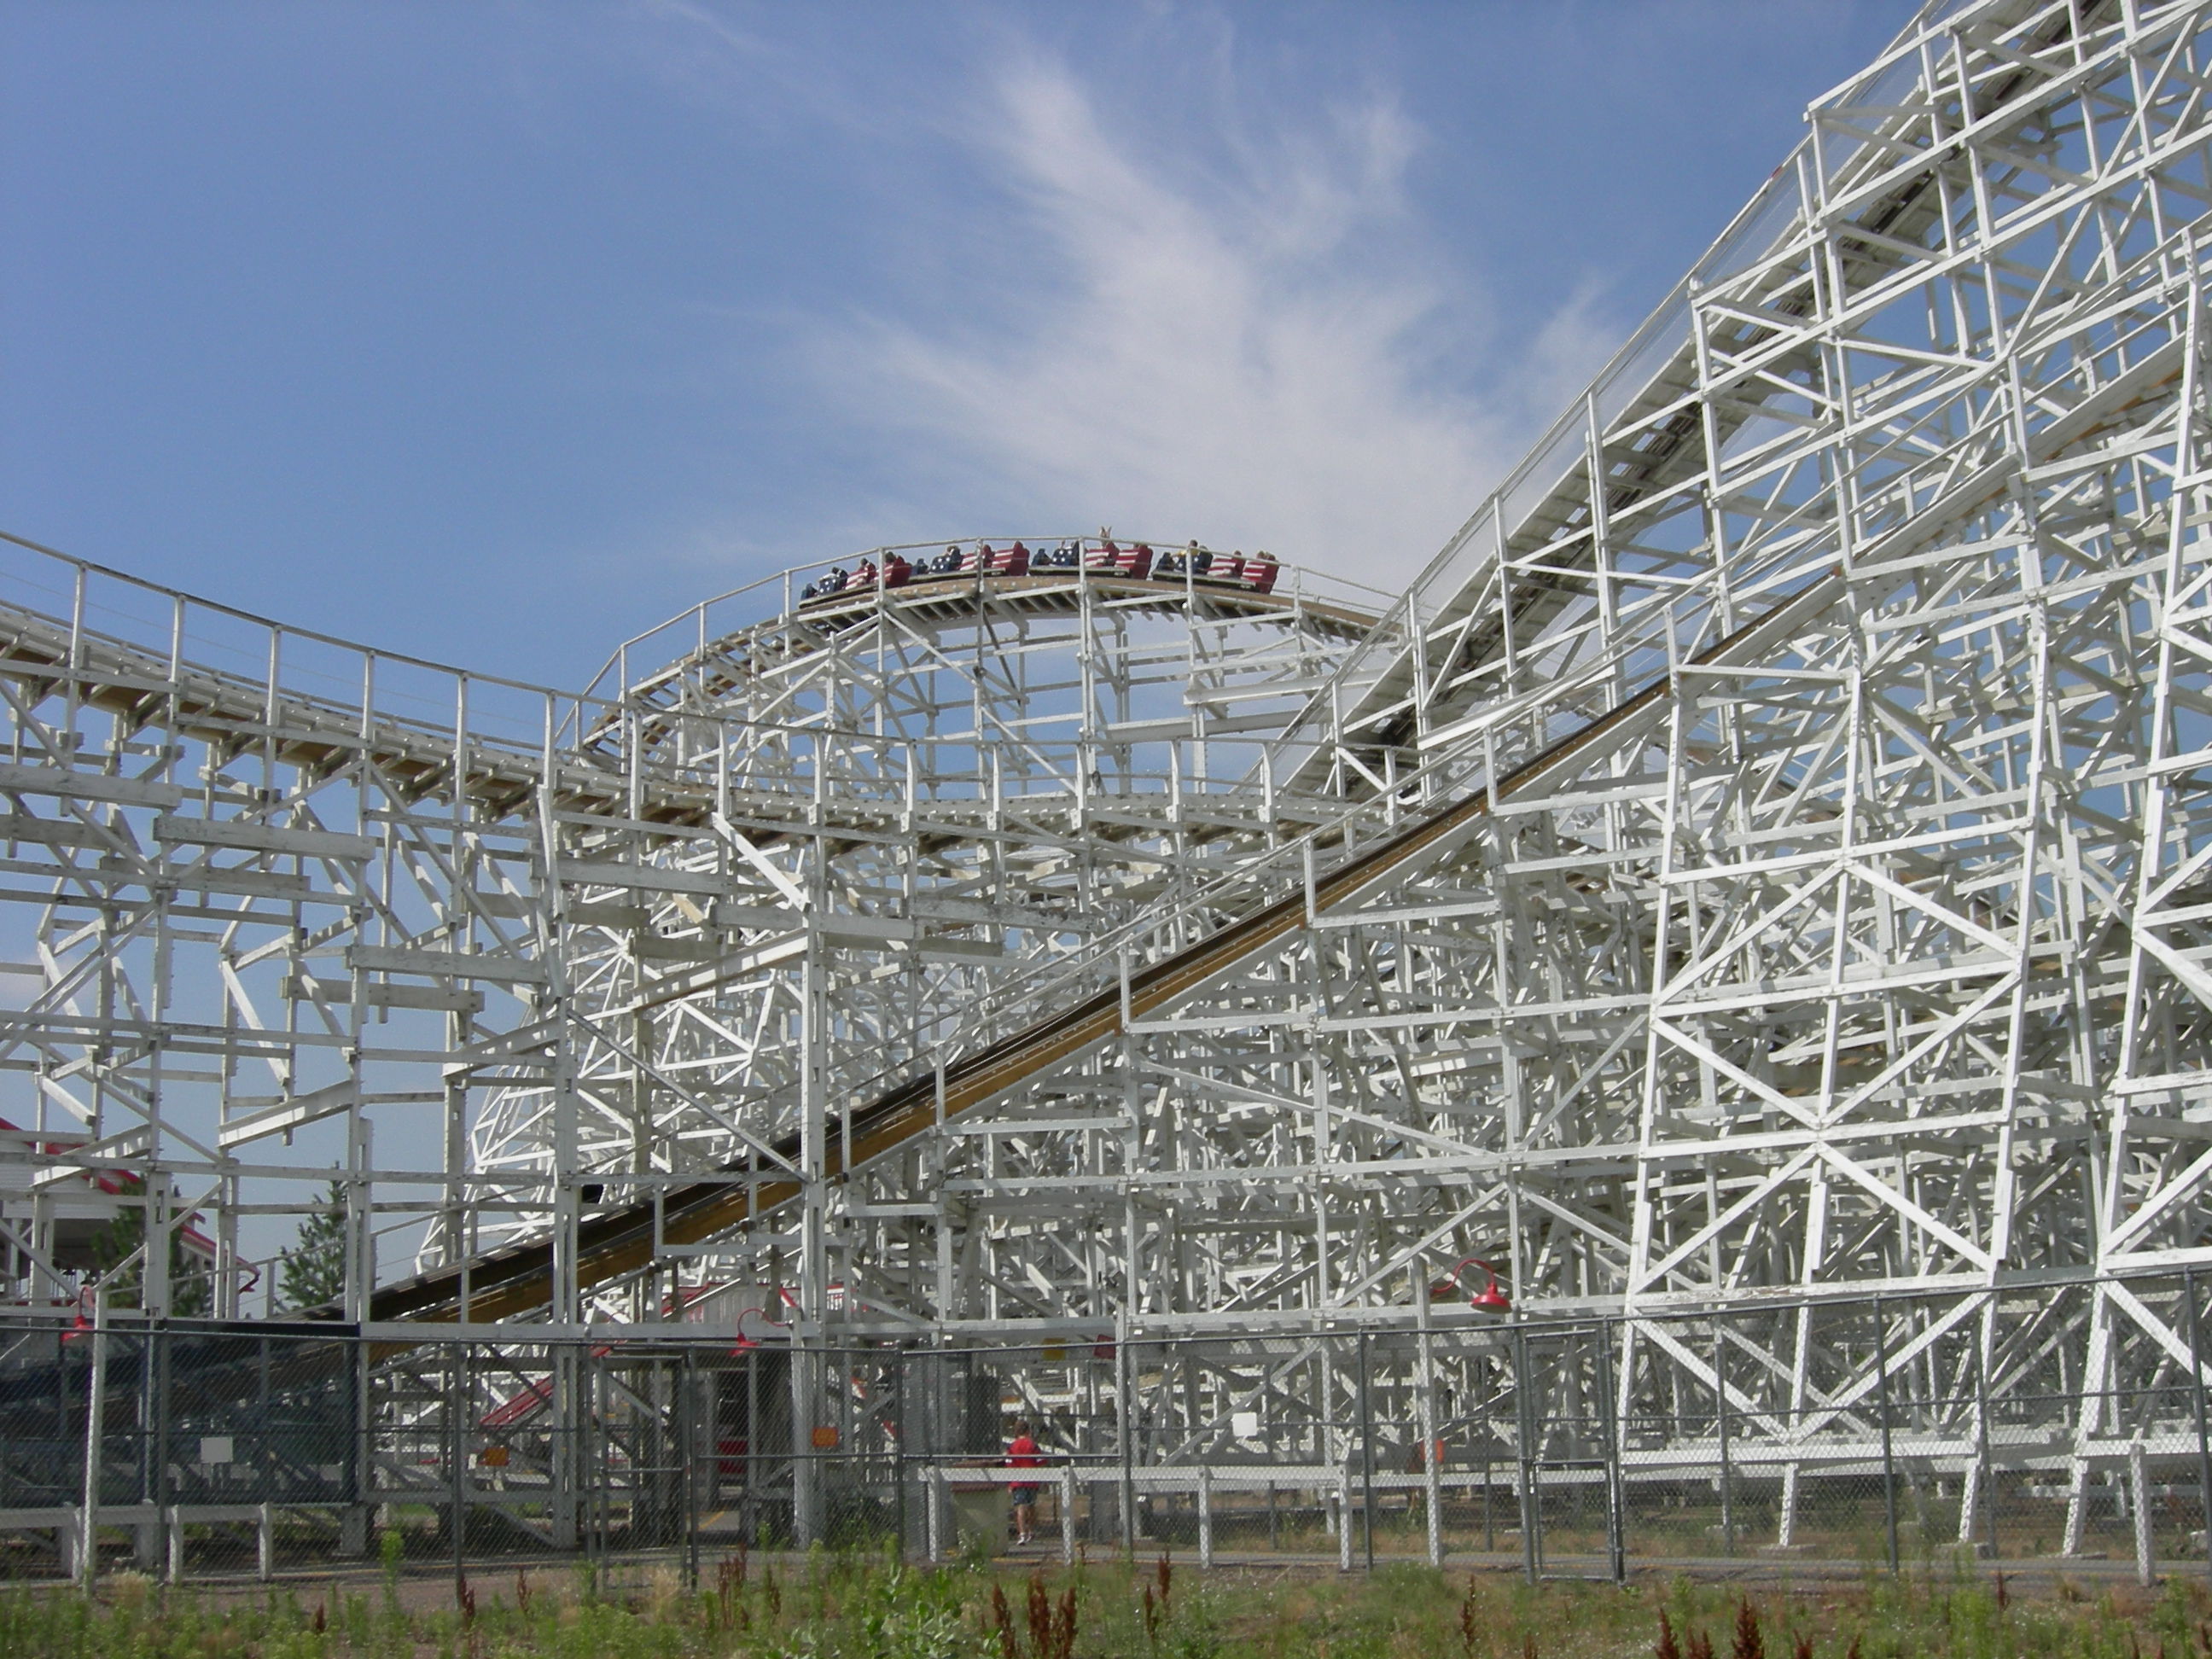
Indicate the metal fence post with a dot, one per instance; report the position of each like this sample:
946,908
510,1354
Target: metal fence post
152,1451
1524,1415
1616,1521
1489,1514
2139,1498
808,1365
1344,1517
1067,1513
687,1434
353,1520
158,1361
579,1438
1888,1458
1206,1515
749,1513
2196,1391
900,1426
88,1556
1124,1410
1433,1499
1721,1432
1432,1446
1986,1470
1366,1458
457,1413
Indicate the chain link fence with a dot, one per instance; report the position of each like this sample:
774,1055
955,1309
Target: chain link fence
2066,1423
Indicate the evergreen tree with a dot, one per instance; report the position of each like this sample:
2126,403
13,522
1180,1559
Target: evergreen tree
315,1269
191,1286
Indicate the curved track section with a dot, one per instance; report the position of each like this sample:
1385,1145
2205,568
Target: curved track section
1057,753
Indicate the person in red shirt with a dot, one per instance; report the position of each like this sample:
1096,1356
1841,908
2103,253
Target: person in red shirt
1023,1454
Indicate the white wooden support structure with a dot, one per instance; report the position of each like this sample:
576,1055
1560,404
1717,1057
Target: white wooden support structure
1755,871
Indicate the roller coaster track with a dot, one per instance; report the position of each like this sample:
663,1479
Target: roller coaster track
730,664
520,1278
232,711
1560,526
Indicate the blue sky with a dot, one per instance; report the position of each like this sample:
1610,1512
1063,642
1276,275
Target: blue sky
493,332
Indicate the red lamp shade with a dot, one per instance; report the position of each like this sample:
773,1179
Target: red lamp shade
1489,1298
746,1340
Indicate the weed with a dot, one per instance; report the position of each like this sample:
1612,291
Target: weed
856,1605
1039,1617
1063,1626
393,1550
1749,1642
728,1604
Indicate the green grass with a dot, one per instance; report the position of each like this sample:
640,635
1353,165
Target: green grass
850,1605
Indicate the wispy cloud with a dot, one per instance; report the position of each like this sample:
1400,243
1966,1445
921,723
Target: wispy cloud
1245,337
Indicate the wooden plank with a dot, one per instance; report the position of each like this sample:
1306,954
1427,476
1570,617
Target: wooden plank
399,959
301,987
647,877
87,786
258,884
54,832
293,1114
609,915
263,838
